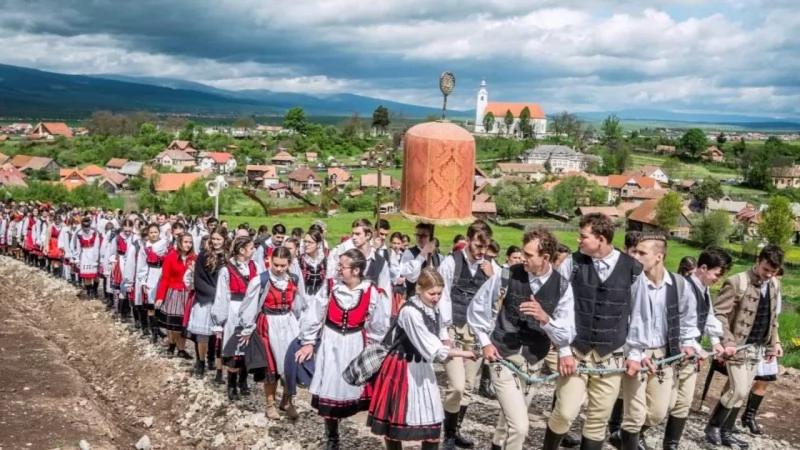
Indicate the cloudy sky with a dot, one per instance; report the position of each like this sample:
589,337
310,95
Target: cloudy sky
725,56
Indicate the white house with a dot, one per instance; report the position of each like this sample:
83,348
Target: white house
483,106
220,162
178,160
560,158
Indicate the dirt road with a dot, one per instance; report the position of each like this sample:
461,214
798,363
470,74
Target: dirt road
68,373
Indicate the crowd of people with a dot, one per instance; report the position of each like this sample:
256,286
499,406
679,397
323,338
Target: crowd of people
286,307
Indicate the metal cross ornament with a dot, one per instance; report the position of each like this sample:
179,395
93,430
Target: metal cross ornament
447,81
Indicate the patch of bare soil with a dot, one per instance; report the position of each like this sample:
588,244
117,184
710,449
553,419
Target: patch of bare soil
69,372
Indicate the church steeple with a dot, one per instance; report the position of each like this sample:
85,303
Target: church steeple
481,102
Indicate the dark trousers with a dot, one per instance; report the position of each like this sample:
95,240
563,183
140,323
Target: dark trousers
297,373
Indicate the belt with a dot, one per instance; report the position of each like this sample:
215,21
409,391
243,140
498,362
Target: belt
237,297
155,265
343,328
274,311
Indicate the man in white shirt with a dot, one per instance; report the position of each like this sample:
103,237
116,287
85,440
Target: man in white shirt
663,324
712,264
537,310
601,278
464,272
377,268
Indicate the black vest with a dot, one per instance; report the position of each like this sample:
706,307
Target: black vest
514,331
673,317
313,277
703,306
375,268
602,309
759,332
411,288
464,287
402,346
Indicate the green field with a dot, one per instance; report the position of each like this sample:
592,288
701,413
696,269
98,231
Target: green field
685,171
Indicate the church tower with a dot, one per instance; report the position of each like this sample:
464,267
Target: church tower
482,101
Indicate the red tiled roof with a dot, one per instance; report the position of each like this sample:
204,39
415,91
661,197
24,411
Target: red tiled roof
176,155
11,178
498,109
56,128
116,163
93,171
115,177
4,158
645,212
342,176
219,157
283,156
610,211
302,174
20,161
619,181
171,182
371,180
266,170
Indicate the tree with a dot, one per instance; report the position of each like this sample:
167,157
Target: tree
573,192
671,167
245,122
352,127
694,142
777,222
722,138
295,119
622,158
508,120
380,119
525,123
548,166
488,122
611,132
710,188
668,211
740,147
712,228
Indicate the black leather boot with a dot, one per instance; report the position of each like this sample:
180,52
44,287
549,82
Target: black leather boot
426,445
673,432
145,323
486,389
570,441
642,442
233,395
153,329
588,444
332,429
243,387
218,377
726,432
615,421
393,445
450,426
749,414
552,441
496,447
199,368
629,441
461,440
715,423
171,351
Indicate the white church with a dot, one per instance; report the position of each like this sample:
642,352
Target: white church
499,109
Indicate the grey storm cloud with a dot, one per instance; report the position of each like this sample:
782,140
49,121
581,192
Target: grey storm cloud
596,53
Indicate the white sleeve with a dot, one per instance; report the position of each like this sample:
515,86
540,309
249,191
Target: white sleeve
687,307
561,327
410,266
311,321
222,299
258,259
637,330
446,269
379,315
427,344
251,305
479,312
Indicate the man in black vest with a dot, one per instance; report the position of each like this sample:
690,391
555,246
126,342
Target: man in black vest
464,272
377,267
537,310
418,257
663,324
602,277
712,264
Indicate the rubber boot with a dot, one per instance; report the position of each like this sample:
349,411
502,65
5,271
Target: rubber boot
552,441
244,389
233,395
713,430
726,432
486,389
332,429
461,440
450,426
749,414
673,432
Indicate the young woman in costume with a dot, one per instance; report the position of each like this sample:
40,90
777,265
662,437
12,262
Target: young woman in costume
354,312
86,255
232,285
271,311
406,405
173,295
149,266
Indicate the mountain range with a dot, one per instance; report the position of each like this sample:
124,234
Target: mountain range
30,93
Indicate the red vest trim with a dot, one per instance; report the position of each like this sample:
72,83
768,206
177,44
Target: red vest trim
122,245
349,319
237,284
268,255
151,257
54,232
86,243
278,300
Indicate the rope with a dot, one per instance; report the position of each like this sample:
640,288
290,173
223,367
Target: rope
594,370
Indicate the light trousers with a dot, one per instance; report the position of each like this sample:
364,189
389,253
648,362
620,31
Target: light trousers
461,373
741,376
646,397
514,395
600,389
683,394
